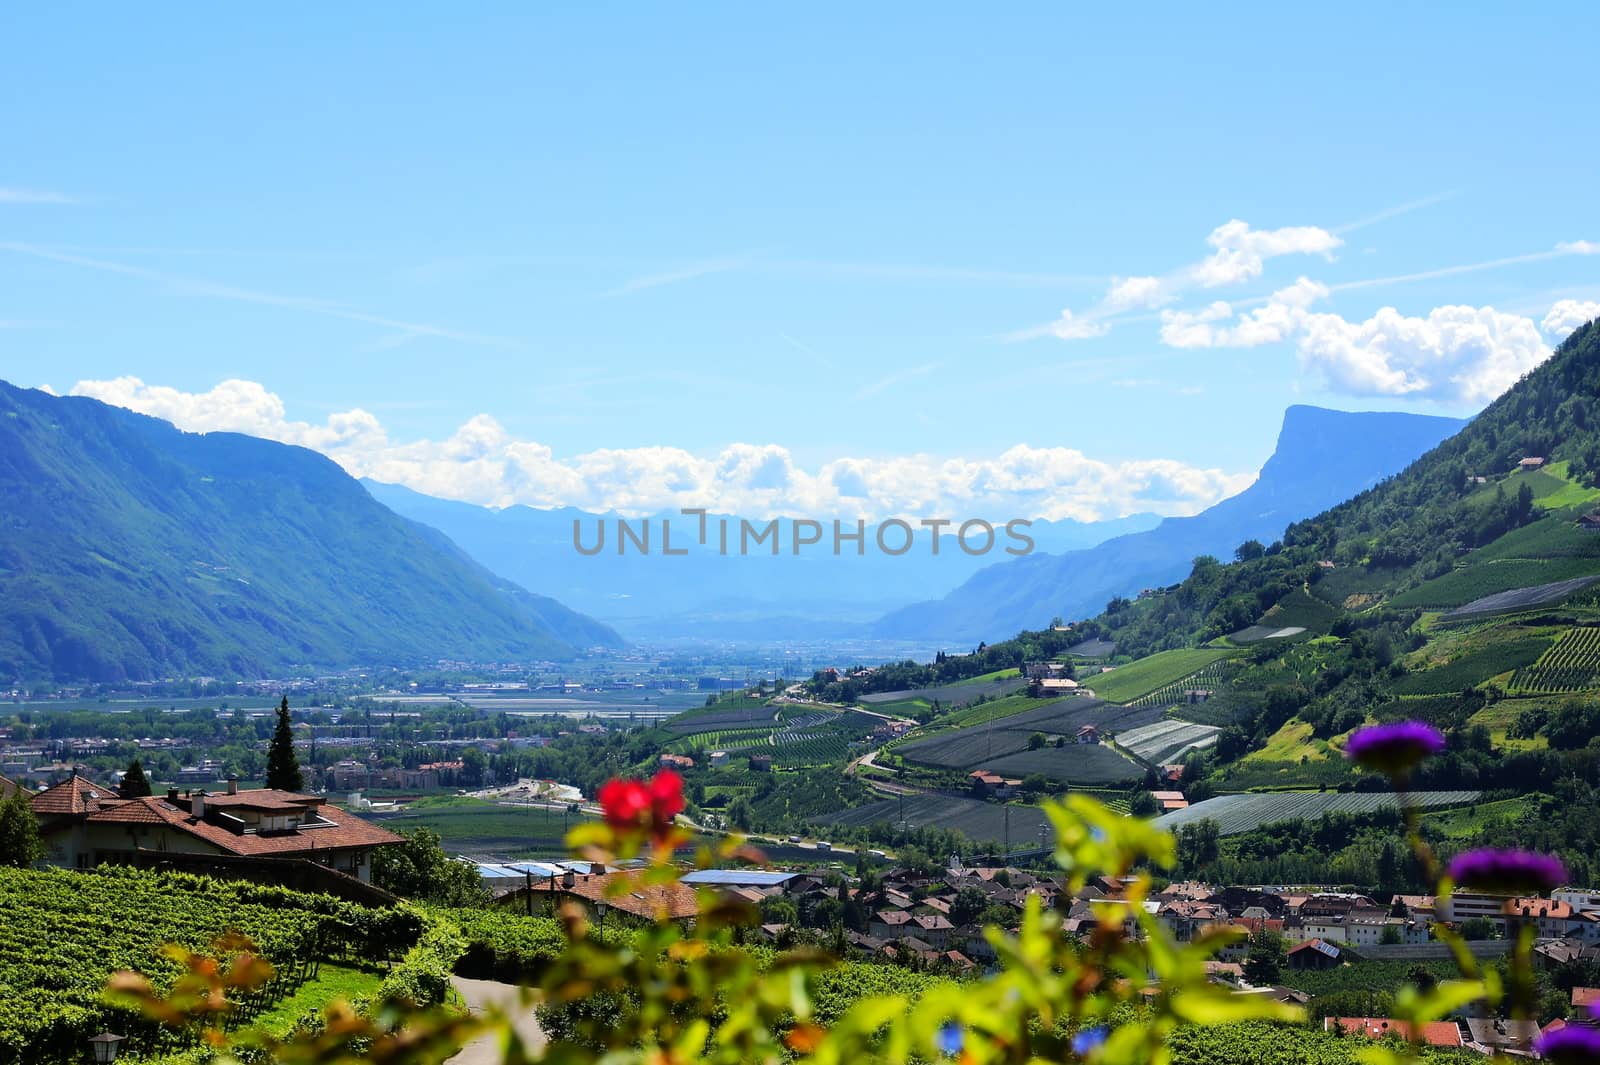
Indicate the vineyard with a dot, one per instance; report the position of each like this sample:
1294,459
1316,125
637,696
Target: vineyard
720,717
797,736
1156,673
1211,677
1245,813
62,934
1572,664
1003,743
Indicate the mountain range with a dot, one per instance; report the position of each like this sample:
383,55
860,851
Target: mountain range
134,551
1322,458
706,595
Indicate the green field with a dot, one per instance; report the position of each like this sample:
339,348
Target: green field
474,826
1462,586
1300,608
1470,821
331,984
1489,655
1129,682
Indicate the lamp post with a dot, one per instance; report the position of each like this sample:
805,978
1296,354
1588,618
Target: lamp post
106,1046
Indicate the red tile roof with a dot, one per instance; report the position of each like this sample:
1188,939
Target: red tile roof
1585,996
1434,1033
74,796
336,830
625,891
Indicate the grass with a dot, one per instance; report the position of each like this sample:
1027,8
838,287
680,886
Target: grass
1129,682
1479,660
1292,742
332,982
1467,822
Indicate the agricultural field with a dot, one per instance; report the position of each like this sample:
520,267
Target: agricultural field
1291,743
1075,764
1244,813
1127,683
1002,744
479,827
1558,536
1300,609
62,934
721,716
1093,649
979,821
1500,586
1162,742
1473,660
961,693
1468,822
1572,664
1210,679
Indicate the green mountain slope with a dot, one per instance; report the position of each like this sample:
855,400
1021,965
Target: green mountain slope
131,550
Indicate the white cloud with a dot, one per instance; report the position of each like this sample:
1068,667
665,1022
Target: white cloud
1072,327
1275,320
1579,247
1242,252
34,196
1137,292
482,463
1568,315
1460,354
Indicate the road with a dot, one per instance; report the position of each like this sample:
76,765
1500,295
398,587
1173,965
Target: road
481,995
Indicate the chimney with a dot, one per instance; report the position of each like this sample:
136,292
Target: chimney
197,805
172,795
233,785
568,878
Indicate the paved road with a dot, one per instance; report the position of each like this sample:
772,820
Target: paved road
481,994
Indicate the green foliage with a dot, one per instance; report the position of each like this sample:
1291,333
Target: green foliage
20,845
1127,683
283,767
419,869
134,783
1268,957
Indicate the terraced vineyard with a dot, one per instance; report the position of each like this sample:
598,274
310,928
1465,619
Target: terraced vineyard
1002,744
1210,678
1572,664
1150,675
1244,813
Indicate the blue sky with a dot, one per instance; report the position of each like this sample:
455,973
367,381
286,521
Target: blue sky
807,260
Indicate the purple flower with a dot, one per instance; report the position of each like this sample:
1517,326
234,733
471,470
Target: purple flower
1089,1038
1508,872
1394,748
949,1039
1594,1012
1575,1044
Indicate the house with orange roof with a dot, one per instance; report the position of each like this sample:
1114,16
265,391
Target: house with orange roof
85,824
601,893
1434,1033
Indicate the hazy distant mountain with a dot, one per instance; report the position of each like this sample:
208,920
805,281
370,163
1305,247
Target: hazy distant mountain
131,550
758,597
1323,457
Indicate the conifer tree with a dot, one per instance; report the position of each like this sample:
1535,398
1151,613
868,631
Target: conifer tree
283,769
135,785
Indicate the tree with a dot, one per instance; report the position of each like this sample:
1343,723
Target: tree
1036,741
1391,936
969,904
20,845
1476,928
1250,549
1264,964
135,785
420,869
283,768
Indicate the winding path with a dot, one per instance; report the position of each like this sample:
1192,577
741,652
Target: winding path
479,995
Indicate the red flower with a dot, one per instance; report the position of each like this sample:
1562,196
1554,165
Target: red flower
632,806
666,797
626,803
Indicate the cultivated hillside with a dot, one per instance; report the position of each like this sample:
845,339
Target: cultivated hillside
1322,457
132,550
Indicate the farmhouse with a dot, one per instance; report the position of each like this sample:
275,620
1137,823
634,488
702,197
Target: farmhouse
1170,800
1532,462
1314,954
85,824
1088,734
987,783
675,761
